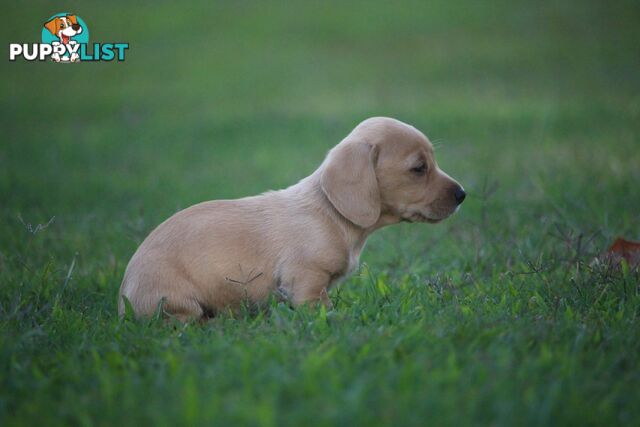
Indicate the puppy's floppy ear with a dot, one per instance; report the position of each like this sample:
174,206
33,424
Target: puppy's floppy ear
72,18
349,180
53,25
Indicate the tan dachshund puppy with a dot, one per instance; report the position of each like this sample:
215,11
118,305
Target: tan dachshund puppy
295,242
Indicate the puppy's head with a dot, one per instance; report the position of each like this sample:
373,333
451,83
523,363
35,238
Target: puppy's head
386,167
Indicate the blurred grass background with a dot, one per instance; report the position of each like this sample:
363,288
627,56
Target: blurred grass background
535,108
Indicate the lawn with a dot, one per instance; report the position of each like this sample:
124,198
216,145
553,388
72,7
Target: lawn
498,316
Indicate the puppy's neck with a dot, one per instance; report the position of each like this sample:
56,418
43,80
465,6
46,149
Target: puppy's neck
354,236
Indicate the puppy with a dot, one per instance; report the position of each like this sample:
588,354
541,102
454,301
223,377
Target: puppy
64,27
295,242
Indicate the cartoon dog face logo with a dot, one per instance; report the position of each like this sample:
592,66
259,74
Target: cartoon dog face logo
64,27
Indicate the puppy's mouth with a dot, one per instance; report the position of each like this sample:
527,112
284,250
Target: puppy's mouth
419,217
65,39
431,215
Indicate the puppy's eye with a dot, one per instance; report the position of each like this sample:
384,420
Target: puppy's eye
420,170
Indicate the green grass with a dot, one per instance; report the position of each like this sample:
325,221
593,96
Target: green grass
497,316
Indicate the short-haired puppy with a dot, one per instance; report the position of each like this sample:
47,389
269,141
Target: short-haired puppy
295,242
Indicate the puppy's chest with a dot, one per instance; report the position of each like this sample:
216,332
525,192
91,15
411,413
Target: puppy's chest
353,261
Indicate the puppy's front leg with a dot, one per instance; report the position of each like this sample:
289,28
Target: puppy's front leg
324,298
308,286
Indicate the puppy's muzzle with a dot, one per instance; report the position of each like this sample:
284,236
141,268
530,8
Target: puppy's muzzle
459,195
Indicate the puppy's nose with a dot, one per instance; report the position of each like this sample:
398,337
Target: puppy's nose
459,194
75,27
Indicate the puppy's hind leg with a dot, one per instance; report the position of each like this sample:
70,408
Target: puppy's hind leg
183,310
179,302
